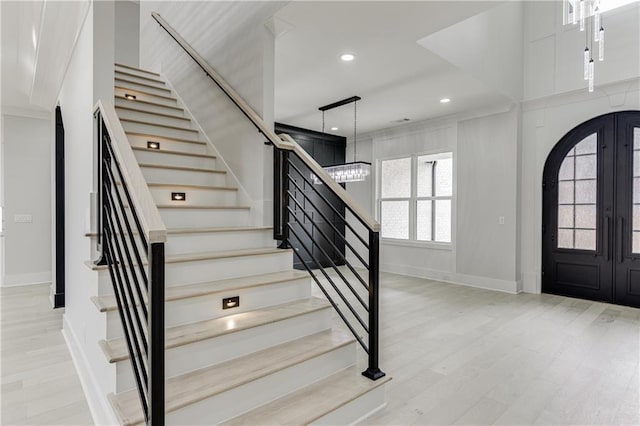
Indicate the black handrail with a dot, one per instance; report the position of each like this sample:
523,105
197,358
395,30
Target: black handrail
139,293
285,216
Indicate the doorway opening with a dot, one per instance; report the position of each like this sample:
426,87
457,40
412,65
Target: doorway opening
591,212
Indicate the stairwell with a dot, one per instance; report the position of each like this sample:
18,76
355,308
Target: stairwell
273,358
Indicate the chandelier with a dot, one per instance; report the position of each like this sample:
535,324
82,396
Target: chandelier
588,14
354,171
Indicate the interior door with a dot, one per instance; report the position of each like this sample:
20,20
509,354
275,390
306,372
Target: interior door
591,212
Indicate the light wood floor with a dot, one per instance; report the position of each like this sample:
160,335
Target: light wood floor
457,355
39,382
460,355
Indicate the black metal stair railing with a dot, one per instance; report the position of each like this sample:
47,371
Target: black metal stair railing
302,222
136,270
294,221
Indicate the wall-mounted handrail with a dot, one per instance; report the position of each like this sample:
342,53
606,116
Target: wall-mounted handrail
284,142
152,224
288,223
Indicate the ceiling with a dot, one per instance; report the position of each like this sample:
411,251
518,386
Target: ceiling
37,42
396,77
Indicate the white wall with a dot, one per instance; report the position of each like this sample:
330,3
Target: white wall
83,325
232,37
485,188
27,144
127,35
557,101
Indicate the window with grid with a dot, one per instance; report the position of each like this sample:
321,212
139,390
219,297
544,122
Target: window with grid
415,197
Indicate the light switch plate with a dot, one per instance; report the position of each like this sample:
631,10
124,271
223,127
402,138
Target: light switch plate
500,220
23,218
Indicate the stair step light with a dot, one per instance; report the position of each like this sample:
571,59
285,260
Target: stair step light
231,302
130,96
178,196
153,145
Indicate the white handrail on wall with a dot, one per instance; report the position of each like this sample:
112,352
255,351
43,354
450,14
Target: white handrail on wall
145,206
285,142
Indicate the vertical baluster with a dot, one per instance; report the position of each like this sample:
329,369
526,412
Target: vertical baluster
284,202
373,372
277,182
156,334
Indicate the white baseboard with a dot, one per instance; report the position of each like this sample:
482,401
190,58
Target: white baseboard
13,280
98,403
505,286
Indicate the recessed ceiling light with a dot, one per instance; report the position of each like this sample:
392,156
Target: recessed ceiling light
445,100
347,57
334,128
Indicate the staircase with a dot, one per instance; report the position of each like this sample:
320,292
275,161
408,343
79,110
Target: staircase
273,357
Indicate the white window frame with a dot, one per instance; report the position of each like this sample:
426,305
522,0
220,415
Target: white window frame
413,199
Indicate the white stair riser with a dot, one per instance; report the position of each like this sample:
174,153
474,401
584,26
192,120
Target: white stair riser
212,241
148,107
201,308
145,79
201,354
192,272
204,218
137,72
142,88
159,131
196,197
258,392
153,118
146,97
357,410
167,159
183,177
168,144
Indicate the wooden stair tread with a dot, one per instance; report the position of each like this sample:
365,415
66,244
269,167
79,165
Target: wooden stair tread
223,229
144,77
160,138
187,187
166,151
136,69
152,86
181,258
144,101
142,92
312,402
108,303
116,350
200,384
196,207
188,169
165,126
144,111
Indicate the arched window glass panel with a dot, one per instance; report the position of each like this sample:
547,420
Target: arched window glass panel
636,190
577,196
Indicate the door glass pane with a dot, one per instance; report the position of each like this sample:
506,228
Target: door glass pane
635,245
577,196
423,221
395,219
396,178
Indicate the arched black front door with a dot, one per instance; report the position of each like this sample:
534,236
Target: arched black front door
591,212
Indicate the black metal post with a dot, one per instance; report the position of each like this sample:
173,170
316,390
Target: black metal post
277,182
373,372
103,163
156,335
283,197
